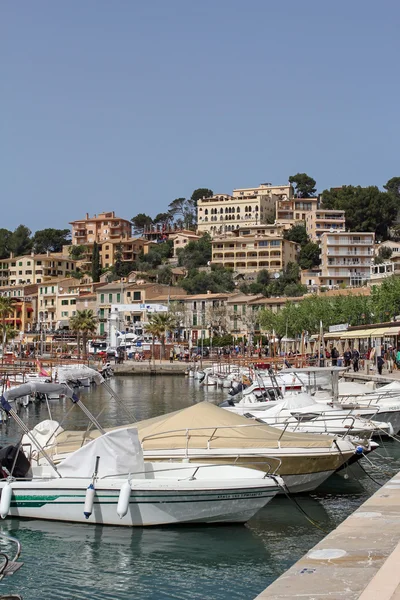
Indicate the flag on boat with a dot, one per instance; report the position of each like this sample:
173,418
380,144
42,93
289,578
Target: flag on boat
42,372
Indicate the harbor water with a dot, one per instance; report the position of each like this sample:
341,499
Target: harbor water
74,561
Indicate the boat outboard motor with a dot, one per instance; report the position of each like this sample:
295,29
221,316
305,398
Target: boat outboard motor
227,403
235,389
14,461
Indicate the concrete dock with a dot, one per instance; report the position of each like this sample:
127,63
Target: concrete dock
359,560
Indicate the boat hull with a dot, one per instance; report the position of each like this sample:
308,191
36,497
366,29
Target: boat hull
299,473
147,507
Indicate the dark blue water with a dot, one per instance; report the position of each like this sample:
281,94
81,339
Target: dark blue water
67,561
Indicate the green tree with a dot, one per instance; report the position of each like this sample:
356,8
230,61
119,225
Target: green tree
201,193
164,218
118,263
5,236
164,275
309,256
367,208
304,185
298,234
20,241
51,240
196,254
384,254
83,323
141,222
386,299
96,266
77,252
393,187
218,280
260,286
159,325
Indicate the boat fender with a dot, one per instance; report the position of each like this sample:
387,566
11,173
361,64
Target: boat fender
89,500
123,500
359,450
5,500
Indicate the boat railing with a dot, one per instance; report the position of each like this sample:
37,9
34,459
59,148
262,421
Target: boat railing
190,431
317,423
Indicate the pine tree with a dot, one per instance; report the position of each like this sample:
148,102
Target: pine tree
96,267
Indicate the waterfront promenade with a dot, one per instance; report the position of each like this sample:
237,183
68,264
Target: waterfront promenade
359,560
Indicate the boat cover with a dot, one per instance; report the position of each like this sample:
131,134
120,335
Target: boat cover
66,373
119,451
31,387
213,427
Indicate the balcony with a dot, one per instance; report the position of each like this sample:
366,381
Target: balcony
349,242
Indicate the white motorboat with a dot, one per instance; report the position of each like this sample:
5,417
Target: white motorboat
204,433
106,481
301,413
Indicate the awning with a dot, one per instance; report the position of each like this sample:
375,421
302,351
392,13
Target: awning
356,334
373,333
336,335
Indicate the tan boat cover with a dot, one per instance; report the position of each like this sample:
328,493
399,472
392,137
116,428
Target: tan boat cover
214,427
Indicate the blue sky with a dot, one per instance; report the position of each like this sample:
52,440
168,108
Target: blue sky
128,104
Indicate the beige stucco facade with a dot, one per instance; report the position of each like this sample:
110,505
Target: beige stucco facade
223,213
34,268
100,228
346,258
254,248
182,239
324,221
292,211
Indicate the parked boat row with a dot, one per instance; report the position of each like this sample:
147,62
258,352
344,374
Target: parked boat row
200,464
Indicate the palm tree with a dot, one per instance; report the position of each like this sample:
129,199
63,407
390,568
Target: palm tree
6,309
159,325
84,323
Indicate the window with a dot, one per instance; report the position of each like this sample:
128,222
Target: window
110,297
20,263
235,307
38,262
136,295
45,290
275,243
64,302
64,313
28,264
263,243
73,301
101,297
195,305
194,320
118,297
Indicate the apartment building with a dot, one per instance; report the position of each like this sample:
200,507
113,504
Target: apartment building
247,206
23,318
57,301
138,296
324,221
346,258
100,228
292,211
34,268
253,248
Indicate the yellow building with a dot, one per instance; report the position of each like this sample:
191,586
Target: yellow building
100,228
324,221
254,248
35,268
247,206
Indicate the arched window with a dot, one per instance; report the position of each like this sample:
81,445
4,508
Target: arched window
238,209
206,211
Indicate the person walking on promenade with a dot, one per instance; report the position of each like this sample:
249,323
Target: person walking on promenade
356,359
380,362
334,356
347,357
